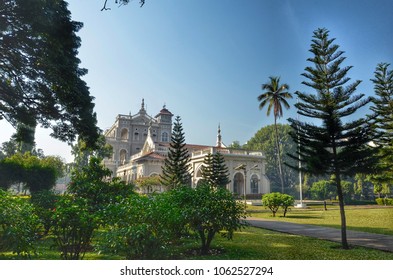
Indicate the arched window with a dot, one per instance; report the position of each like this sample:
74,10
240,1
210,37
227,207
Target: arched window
199,172
164,137
254,184
124,134
238,183
123,156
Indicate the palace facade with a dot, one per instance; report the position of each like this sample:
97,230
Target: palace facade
141,142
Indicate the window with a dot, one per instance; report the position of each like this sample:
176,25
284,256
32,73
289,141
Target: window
164,137
124,134
136,136
238,183
254,184
123,156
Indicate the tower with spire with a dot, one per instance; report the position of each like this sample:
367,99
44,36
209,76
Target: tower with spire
219,143
129,133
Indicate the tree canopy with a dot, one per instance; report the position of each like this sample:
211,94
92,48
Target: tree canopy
264,140
334,147
274,97
40,78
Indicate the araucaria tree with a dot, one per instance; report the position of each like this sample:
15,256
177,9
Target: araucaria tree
175,172
275,97
383,123
333,147
215,172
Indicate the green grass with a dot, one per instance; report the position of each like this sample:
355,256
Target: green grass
367,219
251,243
259,244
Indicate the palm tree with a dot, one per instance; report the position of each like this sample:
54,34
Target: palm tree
275,96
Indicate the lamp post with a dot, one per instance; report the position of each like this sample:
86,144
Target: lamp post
244,168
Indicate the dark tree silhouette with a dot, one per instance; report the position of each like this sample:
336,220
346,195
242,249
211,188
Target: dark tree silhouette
333,147
40,78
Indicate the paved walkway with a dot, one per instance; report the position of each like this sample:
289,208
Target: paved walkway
371,240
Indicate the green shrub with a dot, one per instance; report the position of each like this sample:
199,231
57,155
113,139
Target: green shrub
44,205
92,184
272,201
141,227
208,210
360,202
286,202
73,227
384,201
275,200
19,226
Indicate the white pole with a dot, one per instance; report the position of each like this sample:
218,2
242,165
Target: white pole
301,205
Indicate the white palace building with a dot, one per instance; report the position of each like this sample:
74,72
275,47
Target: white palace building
141,142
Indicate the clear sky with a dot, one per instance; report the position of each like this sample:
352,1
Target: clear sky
206,60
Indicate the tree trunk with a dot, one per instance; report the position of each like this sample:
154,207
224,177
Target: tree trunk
344,241
279,155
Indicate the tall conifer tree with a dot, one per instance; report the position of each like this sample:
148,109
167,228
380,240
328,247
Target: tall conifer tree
175,172
383,122
333,147
220,171
215,172
207,169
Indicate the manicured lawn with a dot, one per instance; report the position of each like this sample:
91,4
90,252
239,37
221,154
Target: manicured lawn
255,243
251,243
360,218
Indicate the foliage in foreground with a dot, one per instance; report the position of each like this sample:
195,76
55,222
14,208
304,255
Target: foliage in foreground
19,226
73,227
142,227
208,211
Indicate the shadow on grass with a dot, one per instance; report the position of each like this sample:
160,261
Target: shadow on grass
294,217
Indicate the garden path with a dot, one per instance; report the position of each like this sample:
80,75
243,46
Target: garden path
370,240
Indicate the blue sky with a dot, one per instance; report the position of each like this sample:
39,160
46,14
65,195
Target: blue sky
206,60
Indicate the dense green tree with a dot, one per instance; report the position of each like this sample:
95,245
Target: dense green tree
34,173
264,140
215,172
175,172
220,171
383,123
40,75
82,152
275,97
235,145
333,146
323,189
207,170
